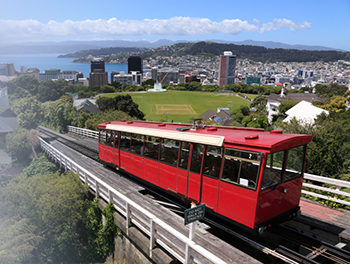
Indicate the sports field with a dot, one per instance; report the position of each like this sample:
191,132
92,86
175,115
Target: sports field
182,106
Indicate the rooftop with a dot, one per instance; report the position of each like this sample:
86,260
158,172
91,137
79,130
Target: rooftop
243,137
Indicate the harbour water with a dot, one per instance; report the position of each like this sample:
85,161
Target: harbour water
51,61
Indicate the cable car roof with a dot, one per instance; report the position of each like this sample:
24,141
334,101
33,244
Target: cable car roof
212,135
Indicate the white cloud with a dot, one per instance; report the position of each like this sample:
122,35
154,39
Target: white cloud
35,30
283,23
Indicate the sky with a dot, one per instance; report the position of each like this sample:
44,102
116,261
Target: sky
308,22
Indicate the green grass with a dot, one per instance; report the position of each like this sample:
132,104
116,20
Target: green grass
199,101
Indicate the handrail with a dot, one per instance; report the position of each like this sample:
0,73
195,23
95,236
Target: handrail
307,176
157,230
333,192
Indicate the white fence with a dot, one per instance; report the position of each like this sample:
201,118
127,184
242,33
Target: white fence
334,190
158,232
83,132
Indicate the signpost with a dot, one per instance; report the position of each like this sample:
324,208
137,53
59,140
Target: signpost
192,214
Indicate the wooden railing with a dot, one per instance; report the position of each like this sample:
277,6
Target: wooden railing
334,190
175,243
83,132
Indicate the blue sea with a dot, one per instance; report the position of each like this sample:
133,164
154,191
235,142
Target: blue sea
51,61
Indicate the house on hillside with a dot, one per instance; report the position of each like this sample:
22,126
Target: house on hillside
304,112
274,100
8,119
220,117
86,105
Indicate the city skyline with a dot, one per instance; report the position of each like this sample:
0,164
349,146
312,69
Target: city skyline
320,23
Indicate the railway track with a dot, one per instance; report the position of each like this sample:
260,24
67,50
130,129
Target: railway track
282,243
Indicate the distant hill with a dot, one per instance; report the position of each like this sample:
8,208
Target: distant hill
74,46
275,45
254,53
102,52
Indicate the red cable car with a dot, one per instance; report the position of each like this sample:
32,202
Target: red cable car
248,175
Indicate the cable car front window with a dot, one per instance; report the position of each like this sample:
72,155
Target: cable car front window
102,137
273,170
295,163
241,167
110,138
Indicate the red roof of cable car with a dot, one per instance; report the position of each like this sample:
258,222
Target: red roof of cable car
249,137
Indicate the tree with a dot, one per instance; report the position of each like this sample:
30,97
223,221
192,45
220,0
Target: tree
122,103
59,114
107,89
106,116
17,144
23,86
54,208
336,104
328,151
286,105
28,111
149,82
330,90
259,102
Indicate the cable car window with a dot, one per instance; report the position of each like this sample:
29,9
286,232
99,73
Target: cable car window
110,138
185,150
116,137
102,138
273,170
137,144
295,163
169,151
125,141
249,173
241,167
151,147
231,167
212,162
196,160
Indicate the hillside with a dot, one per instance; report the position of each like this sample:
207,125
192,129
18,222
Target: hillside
102,52
255,53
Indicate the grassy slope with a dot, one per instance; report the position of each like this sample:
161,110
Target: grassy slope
200,102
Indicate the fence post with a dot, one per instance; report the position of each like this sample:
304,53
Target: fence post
127,218
97,189
110,197
188,257
151,238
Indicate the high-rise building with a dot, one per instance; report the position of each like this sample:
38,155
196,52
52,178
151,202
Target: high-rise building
154,73
227,67
98,76
97,66
134,64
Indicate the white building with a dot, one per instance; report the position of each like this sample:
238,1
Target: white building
69,75
123,78
304,112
